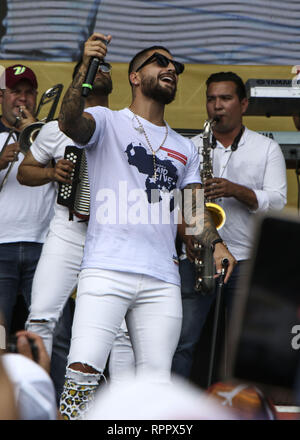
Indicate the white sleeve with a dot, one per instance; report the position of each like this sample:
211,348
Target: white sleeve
46,145
273,195
192,174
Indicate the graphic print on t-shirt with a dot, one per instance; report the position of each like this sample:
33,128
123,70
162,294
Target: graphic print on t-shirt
166,178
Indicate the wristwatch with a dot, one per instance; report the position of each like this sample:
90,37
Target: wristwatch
217,240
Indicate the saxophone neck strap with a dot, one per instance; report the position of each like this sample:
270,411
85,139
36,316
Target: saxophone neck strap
235,143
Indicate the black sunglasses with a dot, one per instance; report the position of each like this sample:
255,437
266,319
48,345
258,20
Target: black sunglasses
105,67
162,61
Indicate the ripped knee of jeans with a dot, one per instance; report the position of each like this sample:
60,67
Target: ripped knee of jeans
40,326
83,368
45,329
85,376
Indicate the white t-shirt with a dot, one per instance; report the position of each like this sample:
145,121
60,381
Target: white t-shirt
50,144
121,235
258,164
25,211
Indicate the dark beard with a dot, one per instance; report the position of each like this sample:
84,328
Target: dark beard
152,89
102,86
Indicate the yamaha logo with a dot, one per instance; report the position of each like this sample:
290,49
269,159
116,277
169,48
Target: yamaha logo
274,82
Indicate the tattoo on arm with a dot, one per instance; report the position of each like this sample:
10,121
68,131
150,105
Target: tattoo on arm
197,216
71,119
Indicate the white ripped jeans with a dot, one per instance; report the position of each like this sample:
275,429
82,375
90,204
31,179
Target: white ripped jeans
153,313
55,279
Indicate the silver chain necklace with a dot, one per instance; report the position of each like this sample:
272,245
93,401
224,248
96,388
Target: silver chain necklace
142,130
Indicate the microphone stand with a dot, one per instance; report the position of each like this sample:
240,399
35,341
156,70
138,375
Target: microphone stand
220,284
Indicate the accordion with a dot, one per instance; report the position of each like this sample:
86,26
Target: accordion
76,195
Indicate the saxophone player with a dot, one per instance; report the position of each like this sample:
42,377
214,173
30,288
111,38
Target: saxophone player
249,176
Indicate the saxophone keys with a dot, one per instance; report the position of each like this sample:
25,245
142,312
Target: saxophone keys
198,263
197,245
198,284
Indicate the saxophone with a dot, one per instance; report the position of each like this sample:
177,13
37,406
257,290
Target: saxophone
204,262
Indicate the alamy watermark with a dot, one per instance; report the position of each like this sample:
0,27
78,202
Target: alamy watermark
155,206
295,342
2,77
2,337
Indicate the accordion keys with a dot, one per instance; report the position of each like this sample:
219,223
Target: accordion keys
76,195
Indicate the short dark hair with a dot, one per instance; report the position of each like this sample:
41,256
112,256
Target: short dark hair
229,76
140,57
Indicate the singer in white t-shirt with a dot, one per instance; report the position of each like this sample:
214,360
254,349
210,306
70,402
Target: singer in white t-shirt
137,166
63,249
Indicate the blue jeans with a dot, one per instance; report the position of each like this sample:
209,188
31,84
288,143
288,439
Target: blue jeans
17,266
61,347
195,308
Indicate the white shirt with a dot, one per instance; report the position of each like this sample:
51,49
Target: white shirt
33,388
50,144
121,235
25,211
258,164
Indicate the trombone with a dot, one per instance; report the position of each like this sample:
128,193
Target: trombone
29,133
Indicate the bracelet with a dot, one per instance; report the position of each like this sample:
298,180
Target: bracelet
217,240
